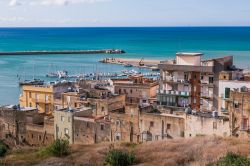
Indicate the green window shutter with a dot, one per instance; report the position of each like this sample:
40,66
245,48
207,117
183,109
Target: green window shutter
227,92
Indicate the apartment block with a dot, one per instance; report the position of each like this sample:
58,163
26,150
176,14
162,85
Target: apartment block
239,111
190,82
230,81
43,97
138,90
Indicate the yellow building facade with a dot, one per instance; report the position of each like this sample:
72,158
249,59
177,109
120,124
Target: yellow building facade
40,97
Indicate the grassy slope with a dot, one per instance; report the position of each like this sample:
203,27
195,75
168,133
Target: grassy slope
194,152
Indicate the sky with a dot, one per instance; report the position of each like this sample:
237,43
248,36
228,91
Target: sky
123,13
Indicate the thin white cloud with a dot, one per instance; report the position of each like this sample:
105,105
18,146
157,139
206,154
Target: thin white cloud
15,3
52,2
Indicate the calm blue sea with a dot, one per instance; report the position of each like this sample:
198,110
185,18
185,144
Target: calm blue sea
151,43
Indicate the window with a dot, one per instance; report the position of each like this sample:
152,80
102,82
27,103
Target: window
202,77
46,98
102,126
244,124
186,76
168,126
66,131
236,105
117,122
151,124
30,104
102,109
131,91
211,80
214,125
227,93
30,94
131,101
40,137
87,124
124,90
62,118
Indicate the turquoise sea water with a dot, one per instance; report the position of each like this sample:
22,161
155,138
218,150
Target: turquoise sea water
151,43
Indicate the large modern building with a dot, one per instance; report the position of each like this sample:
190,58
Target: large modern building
188,81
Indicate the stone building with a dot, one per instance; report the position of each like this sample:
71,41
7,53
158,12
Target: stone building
155,125
188,81
39,130
125,124
138,90
64,122
239,111
25,126
81,126
201,124
91,130
13,123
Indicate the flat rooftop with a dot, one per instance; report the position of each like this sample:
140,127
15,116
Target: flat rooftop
75,109
189,54
19,108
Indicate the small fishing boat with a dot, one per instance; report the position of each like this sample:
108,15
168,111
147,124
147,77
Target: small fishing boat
128,65
31,82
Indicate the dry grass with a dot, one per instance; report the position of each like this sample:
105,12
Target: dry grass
191,152
194,152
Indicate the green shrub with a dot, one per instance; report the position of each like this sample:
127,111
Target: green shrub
233,159
119,158
59,148
3,149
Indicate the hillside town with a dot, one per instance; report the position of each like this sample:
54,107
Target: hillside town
192,97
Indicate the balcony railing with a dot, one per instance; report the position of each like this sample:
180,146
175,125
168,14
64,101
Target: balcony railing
171,92
41,100
175,79
206,82
207,95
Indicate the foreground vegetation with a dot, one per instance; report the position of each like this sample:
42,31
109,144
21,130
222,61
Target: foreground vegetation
32,156
200,151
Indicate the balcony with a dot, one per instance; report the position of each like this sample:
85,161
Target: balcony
172,92
41,100
206,83
207,96
172,79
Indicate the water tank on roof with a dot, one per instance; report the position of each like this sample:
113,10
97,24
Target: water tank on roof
188,110
215,114
244,89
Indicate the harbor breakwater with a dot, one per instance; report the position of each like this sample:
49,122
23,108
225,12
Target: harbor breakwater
45,52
